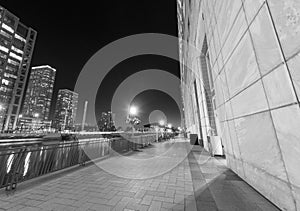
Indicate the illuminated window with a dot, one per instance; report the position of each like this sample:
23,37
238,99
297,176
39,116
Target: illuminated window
6,82
8,28
13,55
2,55
8,75
5,34
20,38
17,50
10,61
11,69
2,48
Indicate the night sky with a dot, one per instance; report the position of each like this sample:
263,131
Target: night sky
69,33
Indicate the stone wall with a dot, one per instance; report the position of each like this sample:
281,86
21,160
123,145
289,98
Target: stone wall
254,48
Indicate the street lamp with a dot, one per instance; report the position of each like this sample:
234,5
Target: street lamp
161,122
36,116
133,110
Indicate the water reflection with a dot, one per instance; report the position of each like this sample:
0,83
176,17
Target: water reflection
22,162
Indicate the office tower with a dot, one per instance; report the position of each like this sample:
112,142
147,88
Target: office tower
16,48
106,122
39,92
65,110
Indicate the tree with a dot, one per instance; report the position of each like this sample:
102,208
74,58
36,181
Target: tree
133,121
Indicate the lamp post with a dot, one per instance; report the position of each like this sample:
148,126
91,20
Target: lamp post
36,116
161,122
1,109
133,120
19,124
133,111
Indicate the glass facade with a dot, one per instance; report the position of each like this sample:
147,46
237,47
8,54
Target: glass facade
16,48
65,110
39,92
254,51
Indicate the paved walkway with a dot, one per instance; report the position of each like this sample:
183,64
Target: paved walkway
166,176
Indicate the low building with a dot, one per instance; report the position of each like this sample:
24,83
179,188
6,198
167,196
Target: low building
33,125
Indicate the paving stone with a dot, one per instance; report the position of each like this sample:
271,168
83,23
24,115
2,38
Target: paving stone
168,205
100,207
147,199
114,200
155,193
163,199
97,200
140,194
94,189
155,205
126,193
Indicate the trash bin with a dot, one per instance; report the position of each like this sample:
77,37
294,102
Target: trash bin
194,139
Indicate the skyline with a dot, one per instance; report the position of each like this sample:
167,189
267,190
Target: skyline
46,53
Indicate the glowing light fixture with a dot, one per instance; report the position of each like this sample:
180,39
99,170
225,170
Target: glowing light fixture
162,122
133,110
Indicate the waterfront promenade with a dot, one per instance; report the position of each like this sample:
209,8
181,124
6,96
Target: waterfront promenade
168,175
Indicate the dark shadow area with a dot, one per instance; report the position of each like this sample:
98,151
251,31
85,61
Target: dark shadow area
226,191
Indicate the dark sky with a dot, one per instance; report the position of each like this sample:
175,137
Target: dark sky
69,33
147,102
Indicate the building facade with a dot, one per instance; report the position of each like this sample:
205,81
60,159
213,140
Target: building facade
39,92
33,125
242,88
16,48
65,110
106,122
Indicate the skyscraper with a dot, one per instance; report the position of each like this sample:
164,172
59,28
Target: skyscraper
65,110
39,92
16,48
106,122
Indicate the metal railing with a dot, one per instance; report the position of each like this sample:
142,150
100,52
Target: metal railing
20,161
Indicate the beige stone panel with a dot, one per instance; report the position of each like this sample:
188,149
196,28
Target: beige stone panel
258,144
265,42
234,139
251,8
221,113
242,69
279,88
227,16
228,111
249,101
218,6
216,41
274,189
240,168
223,81
286,15
237,32
296,193
294,67
226,139
220,62
287,122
